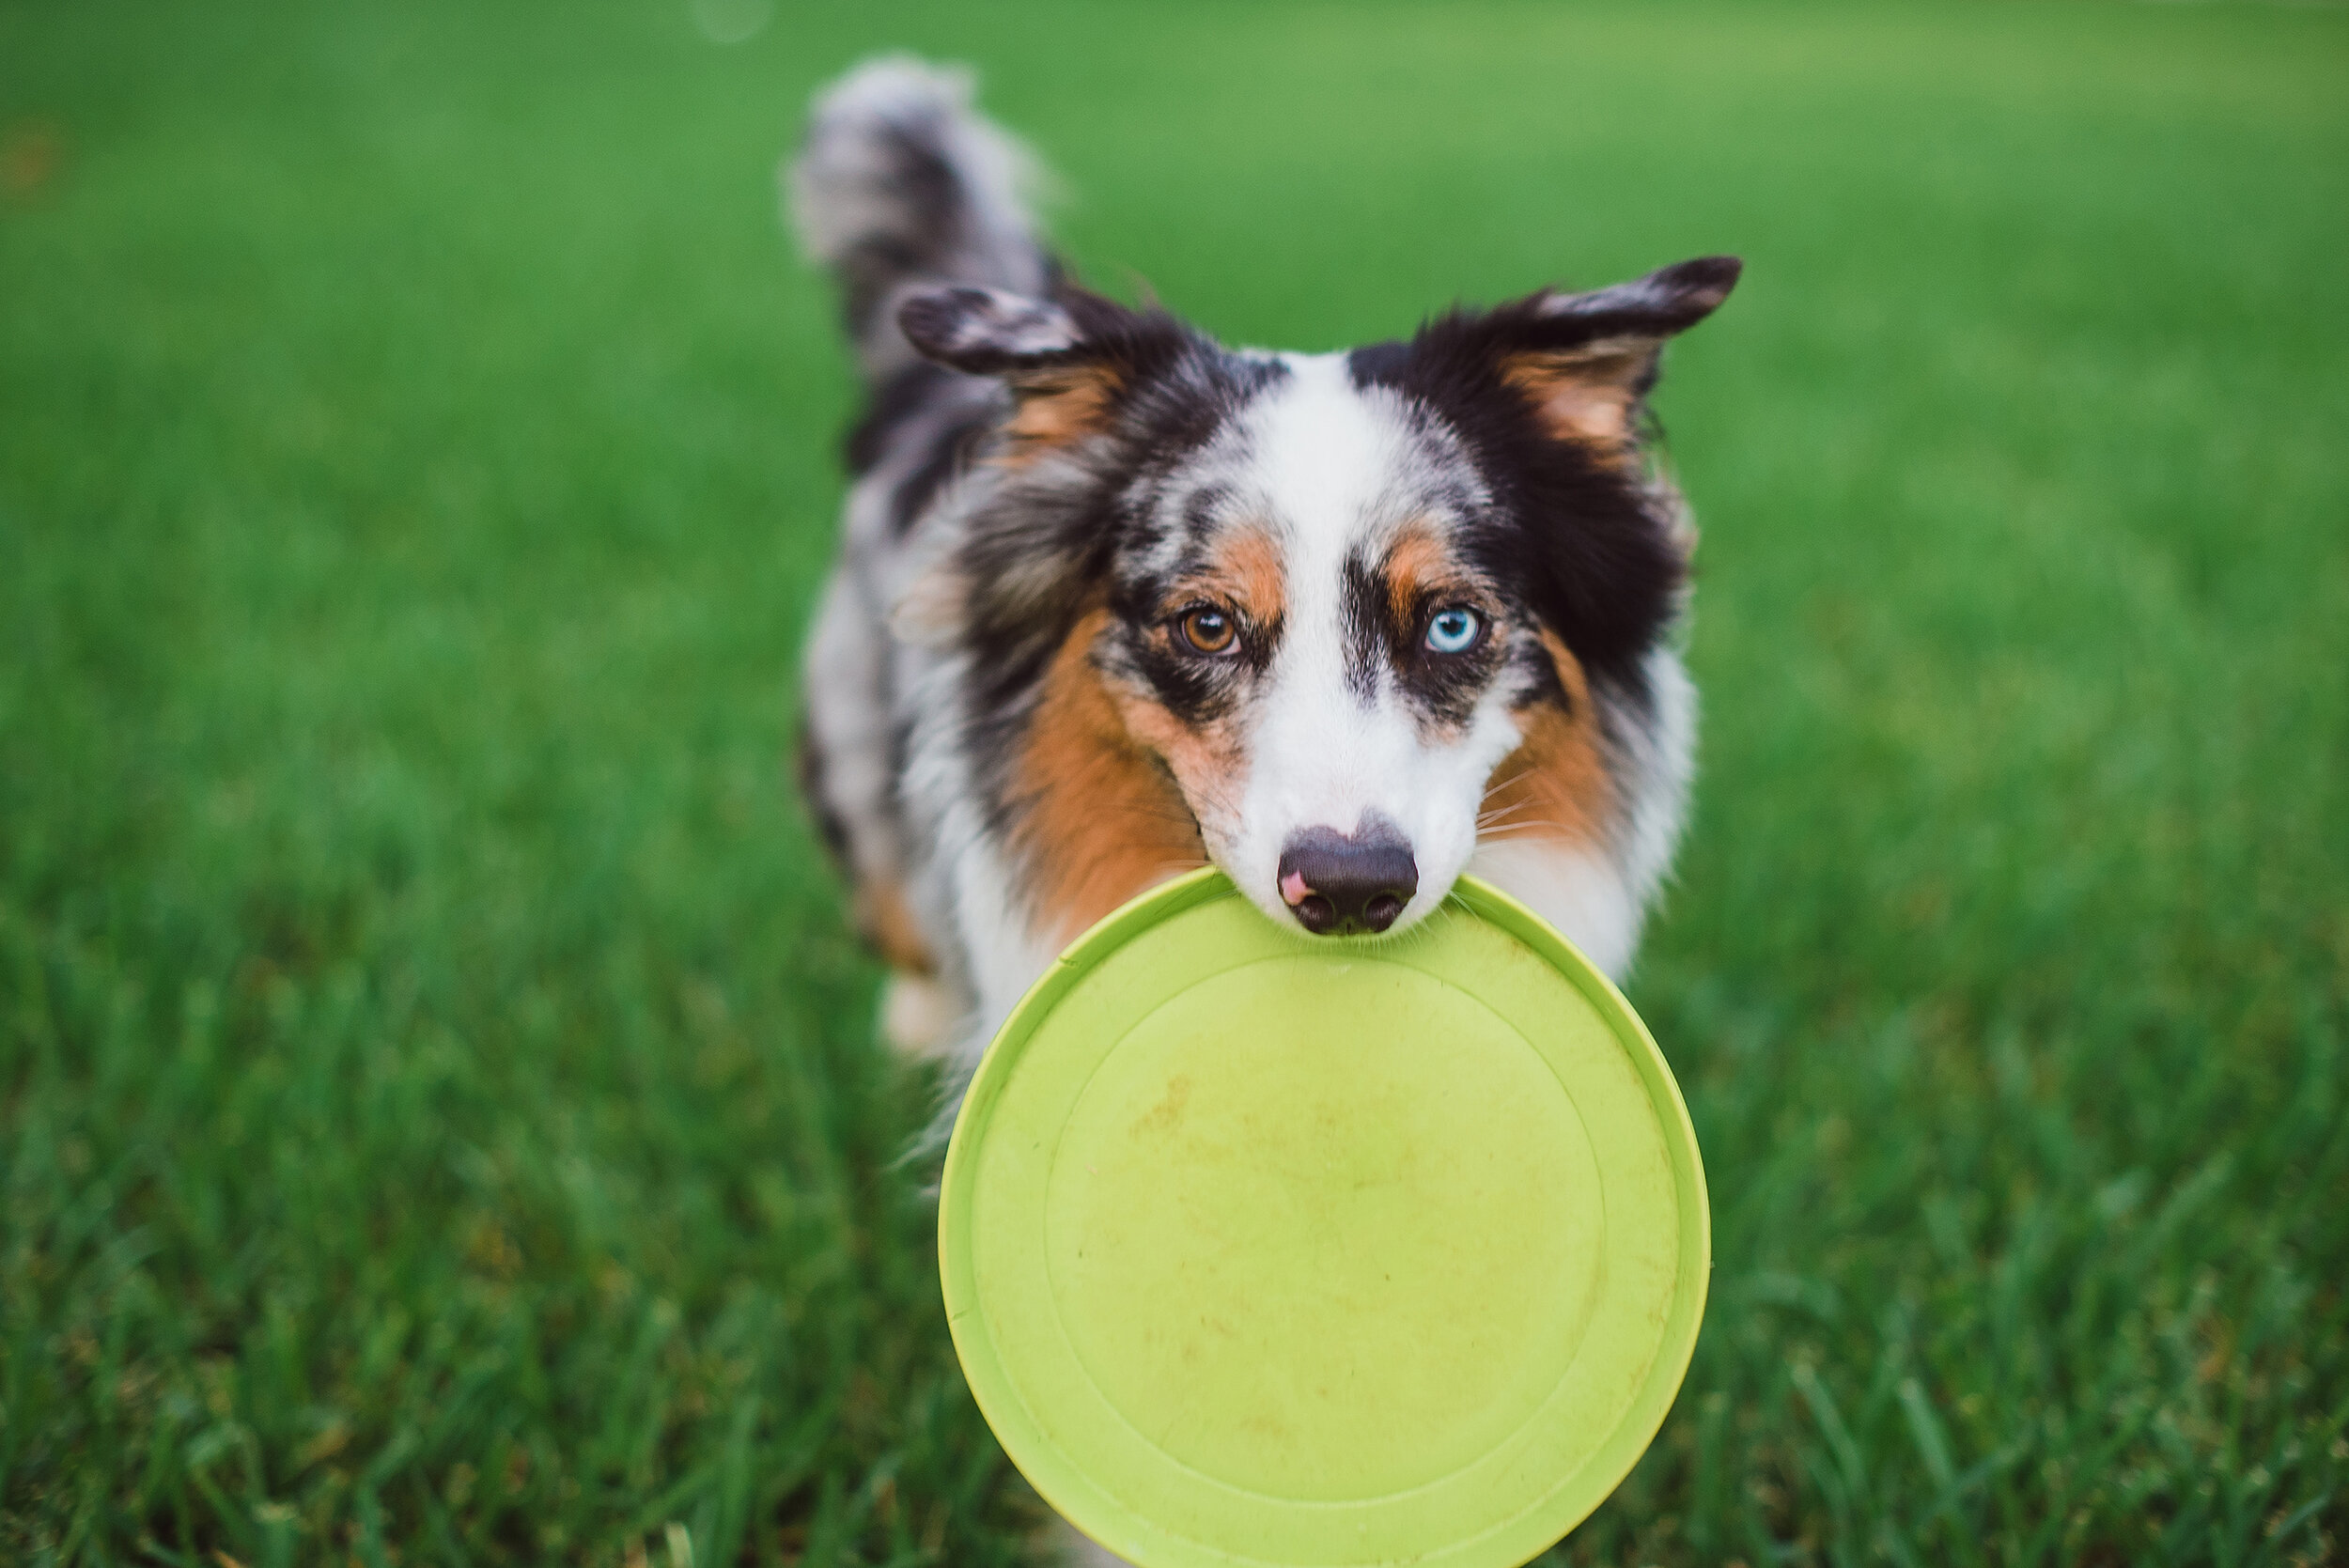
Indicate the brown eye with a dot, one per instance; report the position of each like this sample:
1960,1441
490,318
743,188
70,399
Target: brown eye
1208,630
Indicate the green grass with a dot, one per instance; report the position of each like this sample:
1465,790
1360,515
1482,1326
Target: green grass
437,1116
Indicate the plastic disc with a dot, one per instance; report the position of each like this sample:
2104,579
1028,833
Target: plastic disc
1266,1249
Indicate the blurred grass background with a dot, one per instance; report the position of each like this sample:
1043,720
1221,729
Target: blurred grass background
438,1121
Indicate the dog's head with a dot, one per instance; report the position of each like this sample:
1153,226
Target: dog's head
1329,619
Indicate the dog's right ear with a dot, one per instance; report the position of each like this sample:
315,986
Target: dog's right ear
988,332
1068,359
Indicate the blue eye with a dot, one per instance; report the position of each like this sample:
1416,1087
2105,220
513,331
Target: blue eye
1454,630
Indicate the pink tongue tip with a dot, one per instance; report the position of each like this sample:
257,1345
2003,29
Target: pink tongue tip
1293,889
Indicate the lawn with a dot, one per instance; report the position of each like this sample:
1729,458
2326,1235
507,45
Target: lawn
439,1120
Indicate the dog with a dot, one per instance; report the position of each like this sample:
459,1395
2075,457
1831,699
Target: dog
1115,601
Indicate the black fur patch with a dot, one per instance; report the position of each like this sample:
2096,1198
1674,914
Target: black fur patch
1570,535
1442,688
1537,675
895,401
1364,621
950,452
829,827
1195,689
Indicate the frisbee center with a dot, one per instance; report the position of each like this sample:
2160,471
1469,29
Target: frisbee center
1323,1229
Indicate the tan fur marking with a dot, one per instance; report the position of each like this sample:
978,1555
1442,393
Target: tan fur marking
1245,571
1055,412
1554,785
1420,567
884,919
1583,397
1099,821
1250,571
1206,761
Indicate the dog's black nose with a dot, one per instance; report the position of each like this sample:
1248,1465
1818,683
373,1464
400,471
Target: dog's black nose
1334,883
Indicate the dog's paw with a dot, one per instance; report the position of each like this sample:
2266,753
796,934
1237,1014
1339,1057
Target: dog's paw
1067,1547
918,1017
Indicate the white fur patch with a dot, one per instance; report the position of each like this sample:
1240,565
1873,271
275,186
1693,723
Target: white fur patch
1335,470
1581,892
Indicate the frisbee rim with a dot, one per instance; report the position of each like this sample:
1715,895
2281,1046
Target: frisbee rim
1104,1517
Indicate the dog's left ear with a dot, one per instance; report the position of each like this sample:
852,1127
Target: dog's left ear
1587,361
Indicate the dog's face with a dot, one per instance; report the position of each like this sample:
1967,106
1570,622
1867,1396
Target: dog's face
1335,618
1309,634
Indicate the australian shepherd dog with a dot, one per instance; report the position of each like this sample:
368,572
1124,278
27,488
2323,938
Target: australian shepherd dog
1114,600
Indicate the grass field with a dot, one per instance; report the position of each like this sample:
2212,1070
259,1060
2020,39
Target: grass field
438,1121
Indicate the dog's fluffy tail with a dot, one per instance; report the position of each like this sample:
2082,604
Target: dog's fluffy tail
899,182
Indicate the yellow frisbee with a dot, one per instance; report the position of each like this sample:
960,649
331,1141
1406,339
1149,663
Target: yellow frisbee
1268,1248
